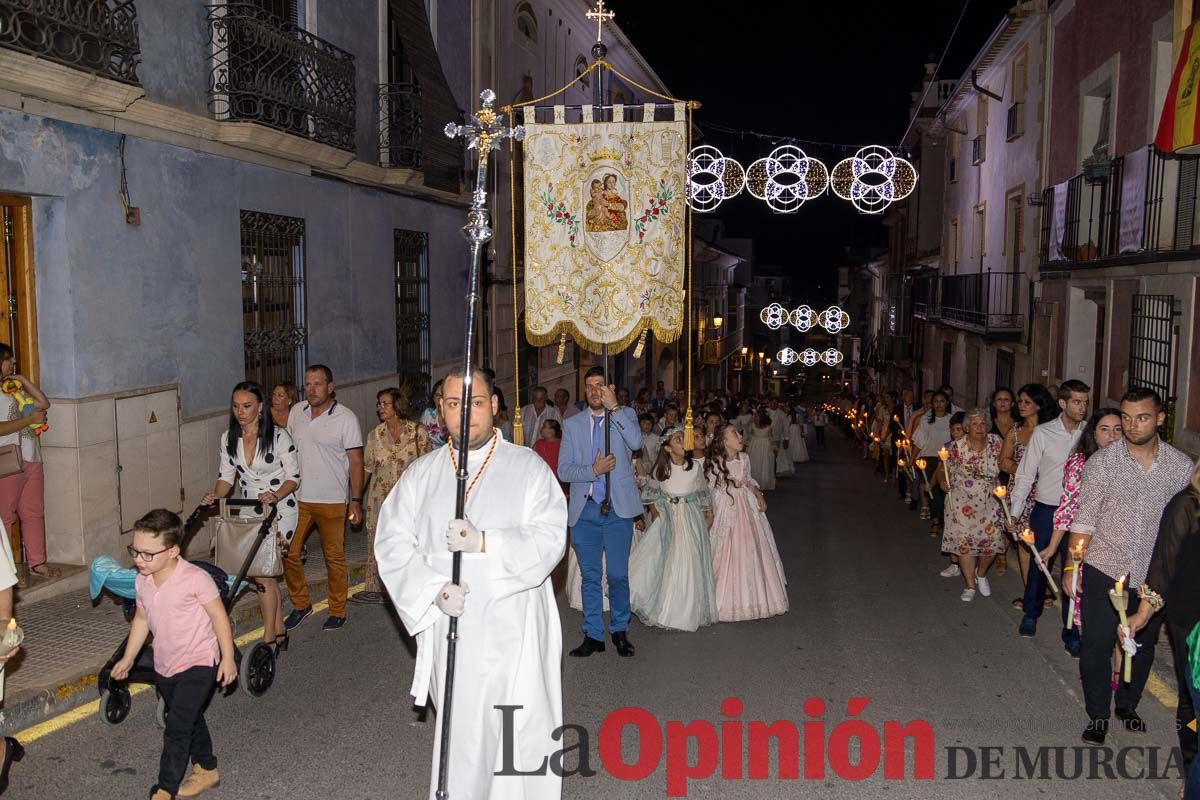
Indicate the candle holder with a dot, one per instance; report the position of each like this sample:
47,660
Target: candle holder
11,638
1120,601
1077,563
1001,494
1027,538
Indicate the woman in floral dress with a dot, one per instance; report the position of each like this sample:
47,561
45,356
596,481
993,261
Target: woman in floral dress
391,447
1035,405
974,521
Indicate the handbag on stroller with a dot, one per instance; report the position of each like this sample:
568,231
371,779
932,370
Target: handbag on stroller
236,536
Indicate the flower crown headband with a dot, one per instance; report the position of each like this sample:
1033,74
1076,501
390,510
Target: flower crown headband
668,433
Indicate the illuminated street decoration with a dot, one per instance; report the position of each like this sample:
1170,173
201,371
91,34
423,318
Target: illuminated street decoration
809,357
833,319
712,178
786,179
774,316
803,318
873,178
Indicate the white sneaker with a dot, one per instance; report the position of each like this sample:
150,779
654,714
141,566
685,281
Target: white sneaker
967,595
985,588
951,571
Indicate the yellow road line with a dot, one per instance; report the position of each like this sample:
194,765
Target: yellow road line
68,718
1162,693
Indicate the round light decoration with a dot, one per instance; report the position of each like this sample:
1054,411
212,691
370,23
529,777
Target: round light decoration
787,356
803,318
833,319
786,179
712,178
810,357
873,178
832,357
774,316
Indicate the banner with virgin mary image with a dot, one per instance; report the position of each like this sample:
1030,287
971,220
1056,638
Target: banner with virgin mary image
605,221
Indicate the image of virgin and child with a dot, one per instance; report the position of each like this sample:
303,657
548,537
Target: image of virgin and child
606,210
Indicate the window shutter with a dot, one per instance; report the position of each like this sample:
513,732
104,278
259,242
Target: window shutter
442,157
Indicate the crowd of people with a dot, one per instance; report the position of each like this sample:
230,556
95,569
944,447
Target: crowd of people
1102,502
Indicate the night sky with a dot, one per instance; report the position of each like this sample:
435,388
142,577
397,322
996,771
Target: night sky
831,72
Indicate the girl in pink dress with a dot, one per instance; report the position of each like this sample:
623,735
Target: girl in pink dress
749,577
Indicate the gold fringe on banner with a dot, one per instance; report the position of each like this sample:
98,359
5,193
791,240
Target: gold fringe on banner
641,345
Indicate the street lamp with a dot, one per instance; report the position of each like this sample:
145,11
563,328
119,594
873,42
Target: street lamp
717,320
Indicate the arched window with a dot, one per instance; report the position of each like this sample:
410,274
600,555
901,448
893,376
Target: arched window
527,22
581,66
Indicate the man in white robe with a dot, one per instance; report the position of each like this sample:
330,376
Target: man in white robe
509,635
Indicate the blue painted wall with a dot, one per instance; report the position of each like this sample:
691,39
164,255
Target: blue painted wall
123,307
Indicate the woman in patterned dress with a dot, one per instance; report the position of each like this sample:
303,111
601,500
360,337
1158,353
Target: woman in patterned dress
1035,405
261,460
391,447
974,527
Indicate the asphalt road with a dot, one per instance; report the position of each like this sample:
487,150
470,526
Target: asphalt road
870,619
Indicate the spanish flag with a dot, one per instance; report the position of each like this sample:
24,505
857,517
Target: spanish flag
1179,126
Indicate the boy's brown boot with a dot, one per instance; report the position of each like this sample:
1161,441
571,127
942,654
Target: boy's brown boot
199,781
161,794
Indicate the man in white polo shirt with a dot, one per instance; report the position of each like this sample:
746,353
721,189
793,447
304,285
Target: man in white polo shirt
330,443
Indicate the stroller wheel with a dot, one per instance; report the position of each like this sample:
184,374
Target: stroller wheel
160,713
115,703
257,671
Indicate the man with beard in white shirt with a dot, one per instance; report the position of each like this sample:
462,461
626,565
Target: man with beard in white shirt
509,634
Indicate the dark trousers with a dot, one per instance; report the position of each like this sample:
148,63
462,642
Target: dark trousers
901,479
1100,622
186,736
1185,710
1041,522
820,429
937,505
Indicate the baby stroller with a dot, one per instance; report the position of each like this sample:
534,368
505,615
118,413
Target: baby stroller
256,669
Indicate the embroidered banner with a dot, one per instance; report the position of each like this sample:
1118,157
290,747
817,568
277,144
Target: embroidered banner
604,229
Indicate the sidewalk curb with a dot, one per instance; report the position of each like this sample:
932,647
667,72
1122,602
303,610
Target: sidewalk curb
76,691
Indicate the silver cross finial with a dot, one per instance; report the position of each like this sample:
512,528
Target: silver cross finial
484,132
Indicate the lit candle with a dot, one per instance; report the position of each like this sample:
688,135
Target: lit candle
1077,562
1120,602
1027,538
1001,493
943,454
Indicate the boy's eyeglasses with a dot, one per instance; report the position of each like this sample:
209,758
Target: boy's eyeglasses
144,555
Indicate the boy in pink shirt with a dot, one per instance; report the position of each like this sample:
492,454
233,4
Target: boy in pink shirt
193,650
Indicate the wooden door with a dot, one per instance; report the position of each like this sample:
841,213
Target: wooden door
18,312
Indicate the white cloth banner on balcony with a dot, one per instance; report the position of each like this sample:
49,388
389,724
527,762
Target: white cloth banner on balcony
604,229
1133,199
1058,222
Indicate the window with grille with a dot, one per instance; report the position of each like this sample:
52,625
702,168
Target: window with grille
273,299
412,309
1005,368
1151,344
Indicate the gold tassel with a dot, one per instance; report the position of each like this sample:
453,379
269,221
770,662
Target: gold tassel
641,344
562,348
689,432
518,431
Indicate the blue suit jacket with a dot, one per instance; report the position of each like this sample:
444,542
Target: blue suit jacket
576,457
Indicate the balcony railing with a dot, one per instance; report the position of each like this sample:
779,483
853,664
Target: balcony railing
1129,213
984,302
400,125
924,297
97,36
717,350
274,73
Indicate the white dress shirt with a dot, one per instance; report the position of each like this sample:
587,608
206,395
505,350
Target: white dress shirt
531,420
1045,455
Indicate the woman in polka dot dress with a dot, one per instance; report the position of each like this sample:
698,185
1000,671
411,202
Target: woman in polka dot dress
261,460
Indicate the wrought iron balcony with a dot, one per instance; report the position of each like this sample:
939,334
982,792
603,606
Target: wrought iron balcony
717,350
1126,213
97,36
924,297
400,125
274,73
983,302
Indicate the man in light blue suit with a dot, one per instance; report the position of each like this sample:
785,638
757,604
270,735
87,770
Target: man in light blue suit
602,512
